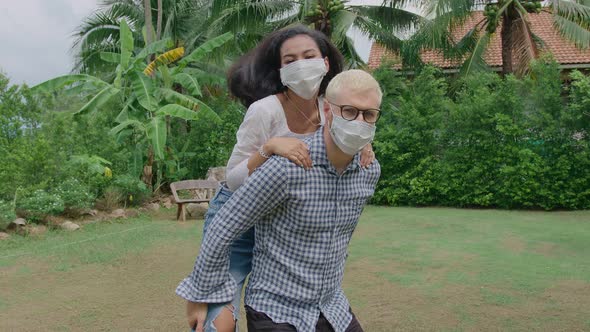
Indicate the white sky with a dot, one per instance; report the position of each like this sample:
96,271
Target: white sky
36,37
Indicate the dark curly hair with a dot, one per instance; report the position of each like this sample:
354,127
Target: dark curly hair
256,74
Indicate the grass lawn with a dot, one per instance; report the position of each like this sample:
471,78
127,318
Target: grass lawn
409,269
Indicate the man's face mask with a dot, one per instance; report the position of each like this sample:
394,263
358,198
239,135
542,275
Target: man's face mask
350,136
304,77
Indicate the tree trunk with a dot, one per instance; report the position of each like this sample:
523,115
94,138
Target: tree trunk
159,22
507,26
148,22
147,175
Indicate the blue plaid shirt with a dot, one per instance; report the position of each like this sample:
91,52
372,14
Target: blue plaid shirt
304,221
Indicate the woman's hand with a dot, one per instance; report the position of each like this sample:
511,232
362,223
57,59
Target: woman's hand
291,148
196,313
367,156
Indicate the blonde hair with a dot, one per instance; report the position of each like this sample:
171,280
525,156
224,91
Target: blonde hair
355,80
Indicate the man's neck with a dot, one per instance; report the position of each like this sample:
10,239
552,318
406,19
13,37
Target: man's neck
339,159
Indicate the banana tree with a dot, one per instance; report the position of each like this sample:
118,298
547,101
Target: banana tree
148,94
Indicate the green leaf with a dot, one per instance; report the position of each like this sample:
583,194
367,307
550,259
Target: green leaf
186,101
206,48
57,83
179,112
127,123
126,43
144,91
123,115
110,57
99,99
166,77
188,82
156,131
155,47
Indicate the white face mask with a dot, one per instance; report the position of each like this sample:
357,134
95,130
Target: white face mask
304,77
350,136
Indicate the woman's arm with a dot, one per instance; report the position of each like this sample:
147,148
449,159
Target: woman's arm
291,148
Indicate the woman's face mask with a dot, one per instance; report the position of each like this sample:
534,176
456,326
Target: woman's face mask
350,136
304,77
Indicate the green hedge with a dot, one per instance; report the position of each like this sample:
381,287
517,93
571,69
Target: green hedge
484,141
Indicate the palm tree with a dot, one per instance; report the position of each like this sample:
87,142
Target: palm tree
100,31
251,20
519,44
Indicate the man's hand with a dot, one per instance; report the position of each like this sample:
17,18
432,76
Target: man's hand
196,313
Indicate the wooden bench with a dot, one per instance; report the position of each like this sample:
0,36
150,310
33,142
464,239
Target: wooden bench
204,190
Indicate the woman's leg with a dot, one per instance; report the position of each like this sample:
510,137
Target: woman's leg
222,317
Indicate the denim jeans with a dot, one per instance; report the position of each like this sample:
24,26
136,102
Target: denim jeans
240,263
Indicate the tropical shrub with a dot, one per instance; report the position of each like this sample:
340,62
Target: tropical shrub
486,141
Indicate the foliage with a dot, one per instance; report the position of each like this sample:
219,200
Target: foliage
76,196
38,204
7,213
148,102
133,191
486,141
208,142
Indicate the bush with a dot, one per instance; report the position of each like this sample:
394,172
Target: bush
75,195
133,190
485,141
111,199
7,214
37,205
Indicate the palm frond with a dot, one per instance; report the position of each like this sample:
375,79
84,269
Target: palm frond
250,16
353,59
572,20
377,33
573,32
475,61
575,12
467,43
524,48
342,21
392,18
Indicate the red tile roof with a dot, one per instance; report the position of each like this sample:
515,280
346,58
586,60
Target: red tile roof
564,51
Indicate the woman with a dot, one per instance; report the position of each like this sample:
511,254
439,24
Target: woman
281,82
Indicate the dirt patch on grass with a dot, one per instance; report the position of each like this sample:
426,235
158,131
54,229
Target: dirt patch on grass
514,244
546,249
381,305
135,293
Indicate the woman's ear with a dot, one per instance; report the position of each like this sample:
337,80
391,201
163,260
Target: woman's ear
327,62
327,113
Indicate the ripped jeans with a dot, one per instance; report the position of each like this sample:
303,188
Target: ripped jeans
240,263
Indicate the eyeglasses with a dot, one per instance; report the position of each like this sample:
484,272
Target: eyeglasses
350,113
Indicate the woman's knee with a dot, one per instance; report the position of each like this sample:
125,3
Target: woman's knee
225,321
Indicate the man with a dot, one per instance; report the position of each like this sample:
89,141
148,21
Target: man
304,221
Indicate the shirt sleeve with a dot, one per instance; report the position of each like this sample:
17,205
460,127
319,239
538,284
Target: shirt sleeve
254,131
210,280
